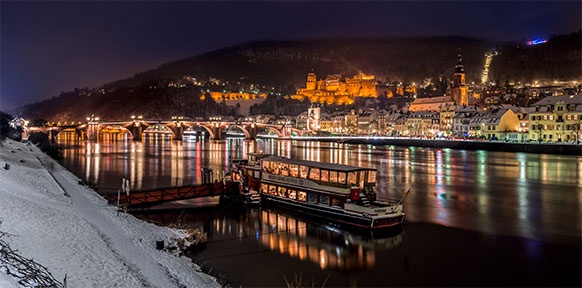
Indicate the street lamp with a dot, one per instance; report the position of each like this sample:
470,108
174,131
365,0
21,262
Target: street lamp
92,119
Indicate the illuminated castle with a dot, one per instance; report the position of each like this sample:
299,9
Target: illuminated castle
335,90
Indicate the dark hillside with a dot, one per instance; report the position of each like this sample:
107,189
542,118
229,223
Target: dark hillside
558,59
284,64
279,68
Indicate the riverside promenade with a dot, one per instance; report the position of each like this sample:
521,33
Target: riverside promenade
461,144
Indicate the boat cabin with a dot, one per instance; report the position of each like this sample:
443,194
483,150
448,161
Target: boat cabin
316,182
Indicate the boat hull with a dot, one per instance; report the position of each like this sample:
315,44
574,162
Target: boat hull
336,216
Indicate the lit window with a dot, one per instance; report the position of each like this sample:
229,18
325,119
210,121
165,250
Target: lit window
314,174
352,178
264,188
371,176
285,169
324,175
333,176
282,191
303,171
293,170
302,196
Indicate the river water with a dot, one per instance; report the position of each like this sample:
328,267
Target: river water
474,218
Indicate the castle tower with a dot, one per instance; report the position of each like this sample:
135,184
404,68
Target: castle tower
460,91
311,81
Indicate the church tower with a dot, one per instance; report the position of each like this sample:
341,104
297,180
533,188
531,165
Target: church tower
311,81
460,91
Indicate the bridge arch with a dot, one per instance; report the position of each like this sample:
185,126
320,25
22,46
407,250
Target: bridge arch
79,133
273,129
298,131
159,128
114,133
195,127
243,129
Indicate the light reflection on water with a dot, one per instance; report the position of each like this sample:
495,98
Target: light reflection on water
281,233
530,195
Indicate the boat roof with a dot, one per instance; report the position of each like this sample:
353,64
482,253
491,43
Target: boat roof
321,165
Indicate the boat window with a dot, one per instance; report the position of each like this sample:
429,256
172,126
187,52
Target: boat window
282,192
336,202
324,199
276,168
372,176
302,196
264,188
257,175
314,174
333,176
294,170
272,189
324,175
312,198
352,180
303,171
266,165
285,169
341,177
292,194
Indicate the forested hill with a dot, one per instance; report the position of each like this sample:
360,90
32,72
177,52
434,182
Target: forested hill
285,64
281,67
558,59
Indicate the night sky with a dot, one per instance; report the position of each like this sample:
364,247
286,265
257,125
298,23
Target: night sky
48,47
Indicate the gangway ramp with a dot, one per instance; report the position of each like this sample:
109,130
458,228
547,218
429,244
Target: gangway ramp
155,196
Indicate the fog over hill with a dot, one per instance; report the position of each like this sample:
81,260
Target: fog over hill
281,67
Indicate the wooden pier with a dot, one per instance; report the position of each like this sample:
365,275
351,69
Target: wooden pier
150,197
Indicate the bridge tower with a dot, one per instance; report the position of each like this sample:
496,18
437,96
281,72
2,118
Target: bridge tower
136,127
52,134
217,131
178,132
93,128
136,130
177,127
253,131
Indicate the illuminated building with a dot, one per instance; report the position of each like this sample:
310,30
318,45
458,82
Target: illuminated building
498,123
430,103
457,94
336,90
219,96
556,119
459,91
422,124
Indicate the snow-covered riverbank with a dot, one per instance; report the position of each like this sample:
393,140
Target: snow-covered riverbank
70,229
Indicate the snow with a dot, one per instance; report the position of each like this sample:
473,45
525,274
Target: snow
7,281
74,233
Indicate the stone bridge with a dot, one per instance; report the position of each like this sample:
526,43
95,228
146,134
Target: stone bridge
175,129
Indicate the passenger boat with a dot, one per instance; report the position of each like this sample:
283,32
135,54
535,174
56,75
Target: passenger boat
340,195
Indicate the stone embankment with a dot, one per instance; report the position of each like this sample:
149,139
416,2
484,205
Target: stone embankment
530,147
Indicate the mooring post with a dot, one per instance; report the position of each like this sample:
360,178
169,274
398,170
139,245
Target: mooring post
118,196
